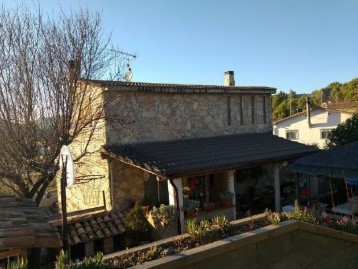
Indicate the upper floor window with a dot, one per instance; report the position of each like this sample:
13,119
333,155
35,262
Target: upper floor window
325,133
292,134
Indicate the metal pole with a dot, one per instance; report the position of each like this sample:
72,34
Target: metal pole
64,206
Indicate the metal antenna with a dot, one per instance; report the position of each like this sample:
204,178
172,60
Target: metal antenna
127,57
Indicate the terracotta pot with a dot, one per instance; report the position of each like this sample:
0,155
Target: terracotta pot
227,202
189,213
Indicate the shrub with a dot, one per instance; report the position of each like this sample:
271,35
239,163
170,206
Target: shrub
222,222
162,217
20,263
136,223
96,262
304,214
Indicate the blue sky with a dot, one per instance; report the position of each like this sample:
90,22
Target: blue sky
301,45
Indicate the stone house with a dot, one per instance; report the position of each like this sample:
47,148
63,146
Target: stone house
156,140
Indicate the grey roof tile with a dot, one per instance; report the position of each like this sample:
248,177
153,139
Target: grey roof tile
202,155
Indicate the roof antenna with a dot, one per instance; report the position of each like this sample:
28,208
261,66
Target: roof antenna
126,57
128,76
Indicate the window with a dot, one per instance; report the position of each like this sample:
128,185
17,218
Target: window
325,133
292,135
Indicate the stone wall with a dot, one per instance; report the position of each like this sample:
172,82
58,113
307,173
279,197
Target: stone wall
148,116
135,116
91,184
127,184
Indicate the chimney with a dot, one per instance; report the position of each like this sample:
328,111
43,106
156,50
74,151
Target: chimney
74,69
308,111
229,78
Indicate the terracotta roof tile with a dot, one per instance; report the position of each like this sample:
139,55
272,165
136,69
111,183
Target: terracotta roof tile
97,226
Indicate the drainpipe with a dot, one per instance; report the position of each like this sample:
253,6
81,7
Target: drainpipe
111,188
177,204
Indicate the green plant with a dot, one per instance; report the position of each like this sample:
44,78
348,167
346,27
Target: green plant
20,263
203,228
186,191
304,214
272,217
198,230
191,227
222,222
96,262
162,217
190,204
136,223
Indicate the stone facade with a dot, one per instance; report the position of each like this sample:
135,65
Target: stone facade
128,183
143,116
135,115
91,184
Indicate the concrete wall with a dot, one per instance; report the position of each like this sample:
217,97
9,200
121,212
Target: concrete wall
290,244
148,116
320,119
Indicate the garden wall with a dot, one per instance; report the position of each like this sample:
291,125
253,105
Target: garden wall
291,244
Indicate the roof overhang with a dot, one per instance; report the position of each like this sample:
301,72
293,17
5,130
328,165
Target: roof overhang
339,162
177,158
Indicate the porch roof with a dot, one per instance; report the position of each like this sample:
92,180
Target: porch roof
171,159
23,225
340,162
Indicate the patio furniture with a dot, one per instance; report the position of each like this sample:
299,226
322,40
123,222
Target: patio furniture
350,208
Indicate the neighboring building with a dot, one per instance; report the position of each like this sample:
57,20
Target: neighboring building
155,140
311,129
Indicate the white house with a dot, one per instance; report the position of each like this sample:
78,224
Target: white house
311,126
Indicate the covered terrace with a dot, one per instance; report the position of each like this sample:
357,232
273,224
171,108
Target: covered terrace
208,160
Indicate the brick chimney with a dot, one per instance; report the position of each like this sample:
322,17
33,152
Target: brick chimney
229,78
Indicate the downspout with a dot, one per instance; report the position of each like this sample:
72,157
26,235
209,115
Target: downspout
111,188
177,205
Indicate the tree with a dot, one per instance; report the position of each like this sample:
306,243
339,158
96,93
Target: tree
45,98
345,133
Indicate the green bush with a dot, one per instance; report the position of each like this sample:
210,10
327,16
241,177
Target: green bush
137,224
18,264
96,262
304,214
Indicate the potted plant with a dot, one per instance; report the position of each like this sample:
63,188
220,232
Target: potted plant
189,206
226,198
186,192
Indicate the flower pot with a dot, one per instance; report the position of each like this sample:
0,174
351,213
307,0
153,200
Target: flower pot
226,202
189,213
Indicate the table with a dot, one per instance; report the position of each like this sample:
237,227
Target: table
350,208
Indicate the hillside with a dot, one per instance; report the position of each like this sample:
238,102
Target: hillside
336,95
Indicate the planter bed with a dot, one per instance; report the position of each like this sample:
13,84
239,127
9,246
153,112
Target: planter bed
177,244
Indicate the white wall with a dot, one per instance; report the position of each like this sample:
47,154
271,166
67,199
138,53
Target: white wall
320,119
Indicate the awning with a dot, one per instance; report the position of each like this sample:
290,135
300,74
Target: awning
339,162
177,158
